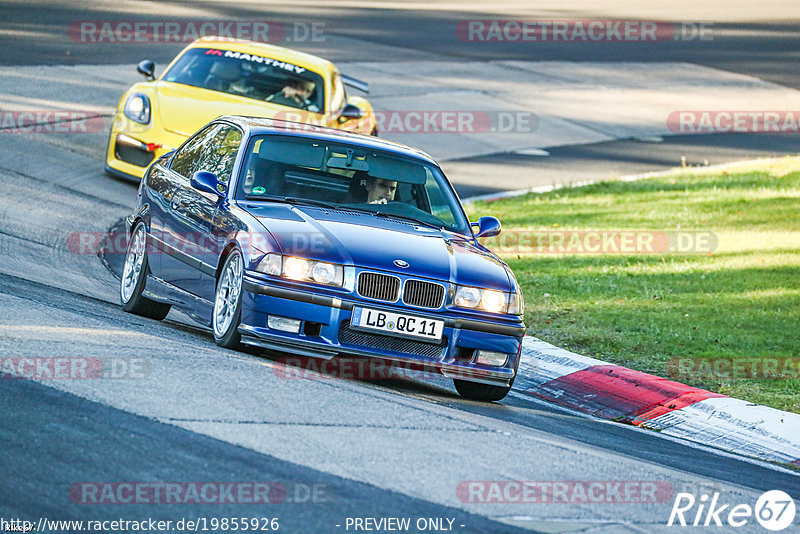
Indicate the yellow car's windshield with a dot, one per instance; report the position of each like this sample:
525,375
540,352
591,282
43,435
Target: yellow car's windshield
250,76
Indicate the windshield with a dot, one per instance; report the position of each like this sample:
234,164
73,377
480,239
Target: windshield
315,172
250,76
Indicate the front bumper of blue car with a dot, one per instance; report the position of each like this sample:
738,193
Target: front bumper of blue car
319,326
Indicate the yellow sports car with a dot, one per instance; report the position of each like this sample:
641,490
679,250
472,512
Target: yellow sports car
213,77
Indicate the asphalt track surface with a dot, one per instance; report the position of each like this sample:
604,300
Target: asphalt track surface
746,38
200,413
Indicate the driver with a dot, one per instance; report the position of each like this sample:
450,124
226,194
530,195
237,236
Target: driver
380,191
296,94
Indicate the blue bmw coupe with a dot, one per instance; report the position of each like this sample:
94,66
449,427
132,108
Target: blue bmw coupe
325,244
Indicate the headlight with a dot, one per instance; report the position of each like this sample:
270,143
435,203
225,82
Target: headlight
137,108
323,273
270,264
516,304
301,269
493,301
467,297
489,300
296,268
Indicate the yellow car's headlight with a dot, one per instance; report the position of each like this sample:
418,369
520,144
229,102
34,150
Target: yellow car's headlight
137,108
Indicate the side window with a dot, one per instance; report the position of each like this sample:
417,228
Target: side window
338,96
185,161
219,154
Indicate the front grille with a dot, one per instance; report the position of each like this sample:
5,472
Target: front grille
423,294
348,336
379,286
133,155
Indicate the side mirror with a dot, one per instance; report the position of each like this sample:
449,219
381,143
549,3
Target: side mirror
487,227
207,182
350,112
146,68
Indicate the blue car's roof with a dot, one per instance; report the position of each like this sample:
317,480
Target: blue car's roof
260,125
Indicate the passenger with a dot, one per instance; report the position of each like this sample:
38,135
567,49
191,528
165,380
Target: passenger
222,75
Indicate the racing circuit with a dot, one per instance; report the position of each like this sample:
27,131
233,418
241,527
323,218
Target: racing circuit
181,409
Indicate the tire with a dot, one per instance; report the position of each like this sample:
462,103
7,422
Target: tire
374,132
480,392
134,276
484,392
227,313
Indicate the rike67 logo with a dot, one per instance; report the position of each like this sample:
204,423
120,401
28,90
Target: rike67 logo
774,510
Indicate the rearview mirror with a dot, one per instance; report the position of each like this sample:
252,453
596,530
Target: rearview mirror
208,183
146,68
487,227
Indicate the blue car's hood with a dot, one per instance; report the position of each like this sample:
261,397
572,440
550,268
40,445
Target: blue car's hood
374,242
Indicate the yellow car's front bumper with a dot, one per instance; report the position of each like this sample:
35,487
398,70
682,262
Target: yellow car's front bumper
133,146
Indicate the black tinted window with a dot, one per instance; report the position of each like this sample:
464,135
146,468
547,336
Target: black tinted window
347,177
250,76
185,161
219,153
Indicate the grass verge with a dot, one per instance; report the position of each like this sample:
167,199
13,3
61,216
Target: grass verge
713,302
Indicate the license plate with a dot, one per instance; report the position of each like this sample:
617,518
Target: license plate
397,324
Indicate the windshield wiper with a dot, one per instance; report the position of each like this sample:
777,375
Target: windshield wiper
291,200
309,202
330,205
407,218
386,215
